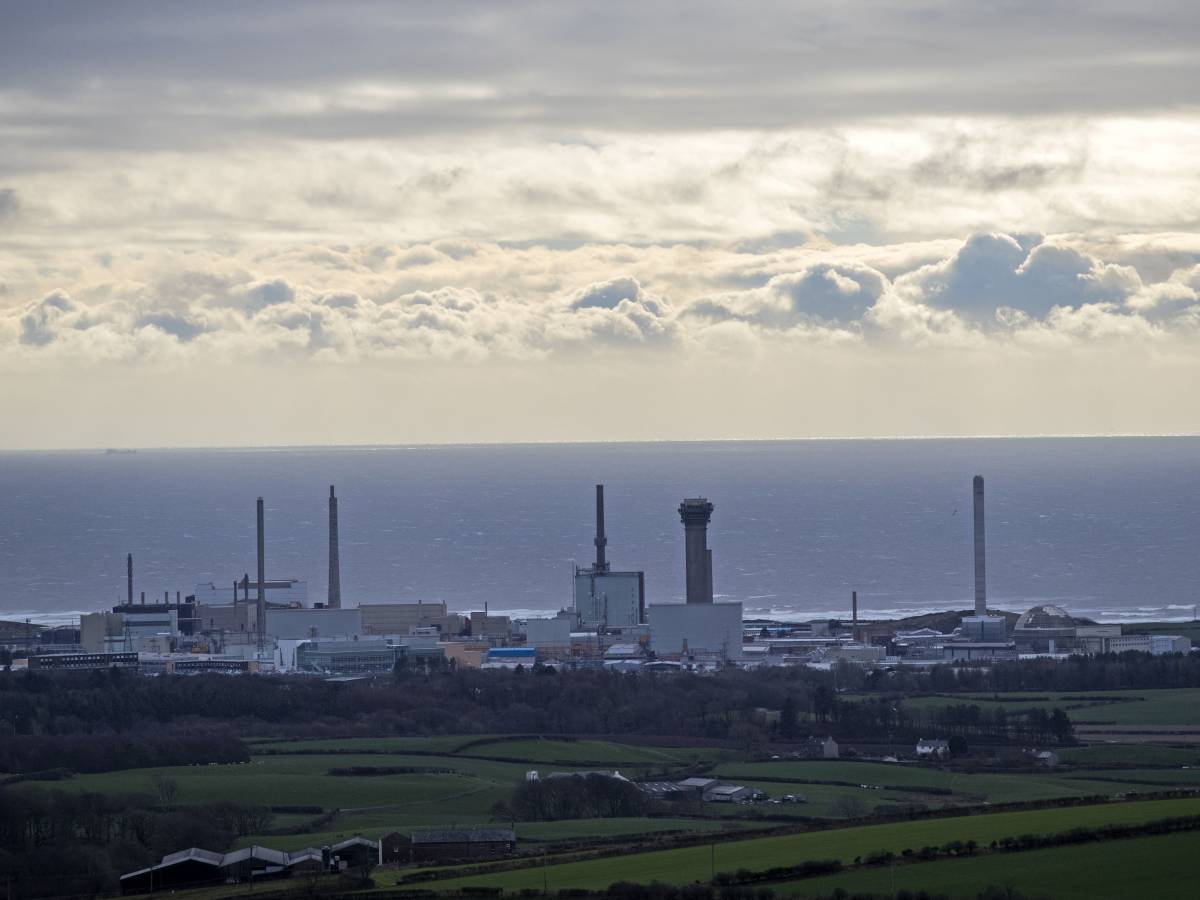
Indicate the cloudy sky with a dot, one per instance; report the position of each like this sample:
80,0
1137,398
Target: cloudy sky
312,222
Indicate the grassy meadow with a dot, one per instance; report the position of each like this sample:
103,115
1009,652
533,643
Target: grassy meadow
699,863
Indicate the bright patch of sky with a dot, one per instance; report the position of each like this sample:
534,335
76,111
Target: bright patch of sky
464,221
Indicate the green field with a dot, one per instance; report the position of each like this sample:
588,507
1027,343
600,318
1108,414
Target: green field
1135,869
547,750
688,864
1155,707
1130,755
445,744
304,781
531,750
965,787
375,823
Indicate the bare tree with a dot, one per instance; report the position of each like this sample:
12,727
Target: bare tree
167,790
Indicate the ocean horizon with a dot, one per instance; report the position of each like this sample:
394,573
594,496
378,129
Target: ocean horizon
1105,526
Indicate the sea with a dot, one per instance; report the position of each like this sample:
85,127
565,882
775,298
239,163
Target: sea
1108,528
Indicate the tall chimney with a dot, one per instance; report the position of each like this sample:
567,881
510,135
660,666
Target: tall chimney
335,562
695,514
262,574
854,609
601,541
980,554
129,579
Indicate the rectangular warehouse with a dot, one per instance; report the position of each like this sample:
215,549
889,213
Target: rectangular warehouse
299,624
705,628
398,618
609,599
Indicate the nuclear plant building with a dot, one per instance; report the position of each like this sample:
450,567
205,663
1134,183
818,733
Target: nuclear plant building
605,599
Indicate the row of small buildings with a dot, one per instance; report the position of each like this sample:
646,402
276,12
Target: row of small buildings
195,867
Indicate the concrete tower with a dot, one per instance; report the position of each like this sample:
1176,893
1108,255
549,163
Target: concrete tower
980,551
261,619
335,563
695,514
129,579
601,541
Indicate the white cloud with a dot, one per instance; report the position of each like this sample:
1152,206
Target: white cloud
478,302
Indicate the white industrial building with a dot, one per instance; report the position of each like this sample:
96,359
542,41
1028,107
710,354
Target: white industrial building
690,629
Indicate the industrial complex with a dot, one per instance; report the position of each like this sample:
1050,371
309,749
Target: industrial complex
264,625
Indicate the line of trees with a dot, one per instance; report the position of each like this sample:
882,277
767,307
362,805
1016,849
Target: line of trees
580,796
59,843
541,701
111,751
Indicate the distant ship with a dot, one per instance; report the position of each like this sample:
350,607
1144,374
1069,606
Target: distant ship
112,451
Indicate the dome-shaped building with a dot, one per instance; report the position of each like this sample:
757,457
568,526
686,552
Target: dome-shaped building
1045,627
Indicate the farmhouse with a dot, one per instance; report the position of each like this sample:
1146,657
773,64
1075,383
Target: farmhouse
819,748
936,749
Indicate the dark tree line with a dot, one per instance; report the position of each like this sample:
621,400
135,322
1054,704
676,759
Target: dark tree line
543,701
888,719
111,751
59,843
589,796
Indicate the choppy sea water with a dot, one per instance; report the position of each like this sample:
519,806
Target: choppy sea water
1106,527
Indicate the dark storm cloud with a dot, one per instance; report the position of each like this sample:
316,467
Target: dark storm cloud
164,74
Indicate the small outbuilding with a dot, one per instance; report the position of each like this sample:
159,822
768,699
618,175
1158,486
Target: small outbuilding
669,791
1046,758
728,793
927,749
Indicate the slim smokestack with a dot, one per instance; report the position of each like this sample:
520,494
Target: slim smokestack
129,579
980,551
854,608
262,573
335,561
695,514
601,541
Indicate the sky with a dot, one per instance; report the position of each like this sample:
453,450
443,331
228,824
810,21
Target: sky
268,223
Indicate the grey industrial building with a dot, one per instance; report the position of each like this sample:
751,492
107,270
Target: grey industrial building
605,598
